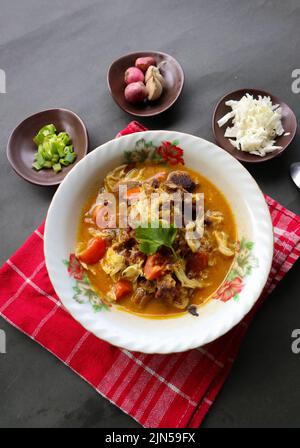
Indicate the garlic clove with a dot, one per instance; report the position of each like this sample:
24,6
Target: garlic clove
154,72
149,73
154,88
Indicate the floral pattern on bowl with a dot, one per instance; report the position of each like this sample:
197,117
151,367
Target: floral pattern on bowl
242,266
166,152
83,291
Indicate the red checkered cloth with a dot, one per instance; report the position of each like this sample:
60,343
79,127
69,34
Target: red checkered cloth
158,391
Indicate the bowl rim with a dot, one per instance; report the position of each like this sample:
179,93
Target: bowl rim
253,91
30,117
137,54
266,237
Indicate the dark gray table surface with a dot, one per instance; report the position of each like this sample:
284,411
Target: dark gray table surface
55,54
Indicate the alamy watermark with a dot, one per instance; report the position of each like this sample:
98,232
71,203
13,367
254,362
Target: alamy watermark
295,346
2,342
2,81
295,86
137,209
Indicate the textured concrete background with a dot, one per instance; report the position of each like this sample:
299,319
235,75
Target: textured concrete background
55,54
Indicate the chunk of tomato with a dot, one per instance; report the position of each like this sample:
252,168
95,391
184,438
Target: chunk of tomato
122,288
94,251
155,267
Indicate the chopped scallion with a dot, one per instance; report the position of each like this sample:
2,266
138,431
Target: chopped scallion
54,149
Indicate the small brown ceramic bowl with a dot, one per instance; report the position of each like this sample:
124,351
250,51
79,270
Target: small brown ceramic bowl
173,77
289,123
21,147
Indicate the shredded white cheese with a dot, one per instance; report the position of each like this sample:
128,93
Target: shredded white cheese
256,124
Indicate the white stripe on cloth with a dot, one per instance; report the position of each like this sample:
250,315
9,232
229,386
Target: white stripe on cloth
112,375
45,319
160,408
206,400
143,382
38,233
77,347
164,402
125,382
159,377
210,356
27,281
190,362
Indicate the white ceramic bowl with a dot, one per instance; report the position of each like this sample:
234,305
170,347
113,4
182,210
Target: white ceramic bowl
231,302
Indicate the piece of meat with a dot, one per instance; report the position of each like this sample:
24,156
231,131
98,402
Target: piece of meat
141,297
181,245
126,240
132,254
155,183
156,179
135,256
182,297
147,285
166,288
197,262
180,179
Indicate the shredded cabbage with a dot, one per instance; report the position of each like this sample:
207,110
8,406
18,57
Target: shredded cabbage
179,270
133,271
256,124
193,243
113,262
222,241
